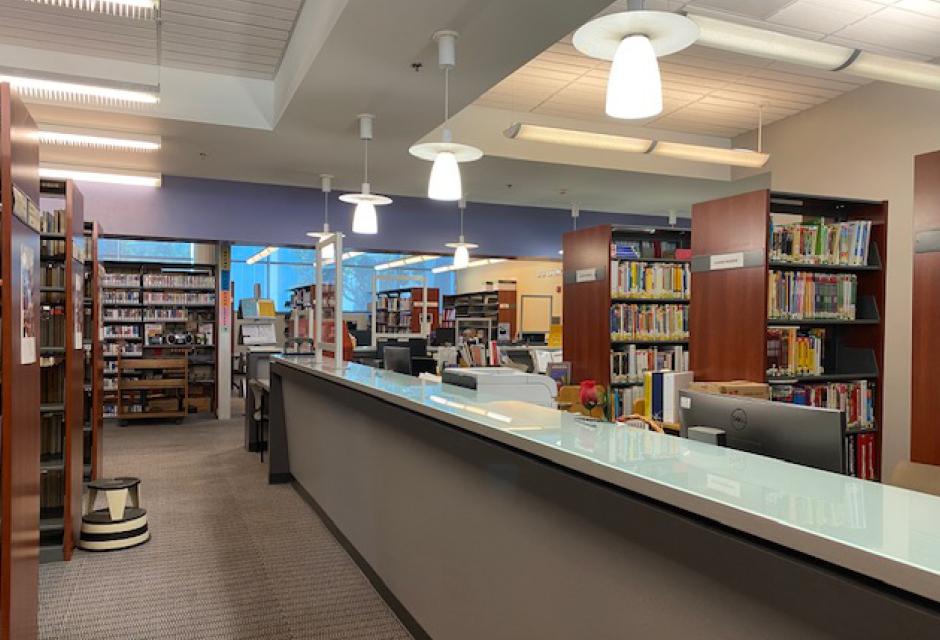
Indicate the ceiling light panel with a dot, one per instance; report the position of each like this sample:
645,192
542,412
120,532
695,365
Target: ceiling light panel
137,9
60,88
96,139
96,174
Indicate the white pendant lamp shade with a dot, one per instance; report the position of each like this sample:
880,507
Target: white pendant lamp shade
461,257
633,40
634,88
329,252
365,220
445,181
461,247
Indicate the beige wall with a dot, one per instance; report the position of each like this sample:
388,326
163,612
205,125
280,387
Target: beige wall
862,145
526,273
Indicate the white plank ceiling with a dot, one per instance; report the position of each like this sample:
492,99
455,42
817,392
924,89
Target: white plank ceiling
712,92
235,37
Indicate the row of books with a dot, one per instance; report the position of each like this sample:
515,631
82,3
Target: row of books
178,281
860,456
53,275
650,280
856,399
797,295
631,364
622,400
52,326
120,280
793,351
839,243
120,297
392,303
52,221
649,322
125,349
177,297
122,331
661,394
54,249
640,249
52,489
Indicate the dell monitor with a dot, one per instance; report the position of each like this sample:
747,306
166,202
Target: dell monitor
810,436
397,359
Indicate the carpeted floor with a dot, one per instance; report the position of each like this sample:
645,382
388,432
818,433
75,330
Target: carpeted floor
231,558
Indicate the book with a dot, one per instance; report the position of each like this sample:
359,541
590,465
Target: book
818,242
797,295
673,383
560,372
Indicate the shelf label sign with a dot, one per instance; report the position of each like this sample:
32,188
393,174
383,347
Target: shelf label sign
585,275
726,261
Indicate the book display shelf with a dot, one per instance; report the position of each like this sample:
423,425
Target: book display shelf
626,298
153,311
482,311
93,423
62,368
19,361
394,309
795,297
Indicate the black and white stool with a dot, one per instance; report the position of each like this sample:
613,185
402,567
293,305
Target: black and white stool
122,525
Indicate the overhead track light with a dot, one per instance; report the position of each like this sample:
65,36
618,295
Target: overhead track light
607,142
461,247
62,88
108,176
261,255
71,137
138,9
633,40
405,262
326,186
445,182
365,220
771,45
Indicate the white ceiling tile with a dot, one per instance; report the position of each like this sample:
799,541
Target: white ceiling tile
823,17
751,8
924,7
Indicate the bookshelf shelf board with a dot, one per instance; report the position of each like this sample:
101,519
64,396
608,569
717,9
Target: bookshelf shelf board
189,305
825,377
125,338
164,320
653,342
140,415
52,236
773,322
54,464
52,407
621,300
115,303
51,350
850,431
120,286
212,289
50,525
796,266
108,356
137,385
659,260
123,320
623,385
45,289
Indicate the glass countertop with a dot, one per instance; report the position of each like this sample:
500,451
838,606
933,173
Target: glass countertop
881,531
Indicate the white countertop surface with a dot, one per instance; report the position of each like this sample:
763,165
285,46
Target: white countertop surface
884,532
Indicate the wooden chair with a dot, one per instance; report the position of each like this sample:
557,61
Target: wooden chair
569,399
916,477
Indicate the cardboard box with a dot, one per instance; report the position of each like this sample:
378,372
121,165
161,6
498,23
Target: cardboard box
199,404
163,404
744,388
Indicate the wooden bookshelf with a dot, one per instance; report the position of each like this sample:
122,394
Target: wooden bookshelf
925,383
94,362
729,309
497,305
153,310
407,320
152,388
587,262
62,363
19,427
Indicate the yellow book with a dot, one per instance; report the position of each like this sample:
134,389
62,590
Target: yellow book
648,394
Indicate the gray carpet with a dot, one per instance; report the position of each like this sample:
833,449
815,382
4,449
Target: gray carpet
231,557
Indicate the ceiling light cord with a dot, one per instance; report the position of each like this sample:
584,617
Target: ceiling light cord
365,157
760,128
446,96
461,222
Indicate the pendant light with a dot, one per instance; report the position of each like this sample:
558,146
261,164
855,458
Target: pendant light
575,212
445,182
326,186
461,247
633,40
365,220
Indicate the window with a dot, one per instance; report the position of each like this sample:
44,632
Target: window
118,249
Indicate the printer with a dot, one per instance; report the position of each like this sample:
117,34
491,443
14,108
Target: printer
505,382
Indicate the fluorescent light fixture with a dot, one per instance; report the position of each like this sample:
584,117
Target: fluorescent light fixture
62,88
474,263
770,45
108,176
575,138
346,256
605,142
633,40
139,9
404,262
261,255
71,137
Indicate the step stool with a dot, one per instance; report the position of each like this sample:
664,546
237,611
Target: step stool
122,525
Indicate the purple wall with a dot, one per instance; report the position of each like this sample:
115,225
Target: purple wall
249,213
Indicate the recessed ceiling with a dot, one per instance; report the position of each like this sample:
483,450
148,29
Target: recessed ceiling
711,92
238,37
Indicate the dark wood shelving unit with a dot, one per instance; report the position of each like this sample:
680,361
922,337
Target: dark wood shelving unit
19,427
62,363
587,262
729,312
413,313
497,305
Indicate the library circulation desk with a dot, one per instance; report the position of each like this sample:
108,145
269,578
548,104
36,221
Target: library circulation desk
482,518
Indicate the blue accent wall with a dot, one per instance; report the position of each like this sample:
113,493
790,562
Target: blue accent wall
243,212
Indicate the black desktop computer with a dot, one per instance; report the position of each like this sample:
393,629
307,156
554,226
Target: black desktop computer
810,436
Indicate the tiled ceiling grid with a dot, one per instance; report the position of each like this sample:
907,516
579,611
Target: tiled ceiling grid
235,37
711,92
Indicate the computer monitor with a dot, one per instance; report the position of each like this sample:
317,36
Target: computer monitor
423,364
443,336
418,346
810,436
397,359
533,338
